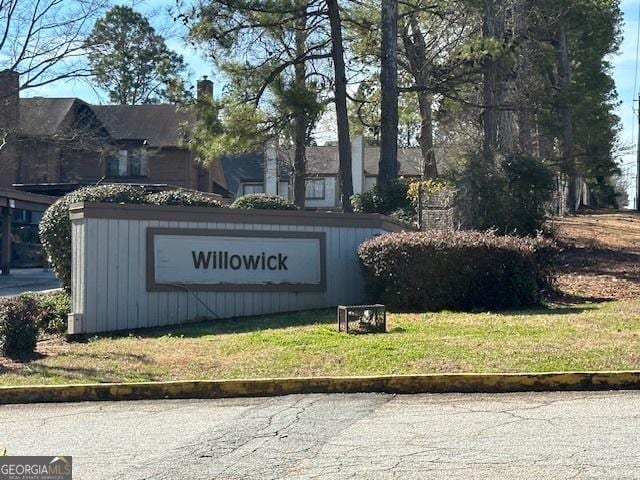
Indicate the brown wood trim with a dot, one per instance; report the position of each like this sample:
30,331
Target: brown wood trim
27,197
228,215
152,286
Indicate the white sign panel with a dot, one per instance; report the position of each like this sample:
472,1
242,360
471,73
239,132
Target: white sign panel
235,260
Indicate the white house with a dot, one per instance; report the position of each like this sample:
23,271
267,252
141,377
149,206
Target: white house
269,171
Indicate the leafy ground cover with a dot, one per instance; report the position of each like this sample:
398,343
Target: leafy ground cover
601,256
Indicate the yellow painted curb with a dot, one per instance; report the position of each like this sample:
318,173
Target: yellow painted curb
432,383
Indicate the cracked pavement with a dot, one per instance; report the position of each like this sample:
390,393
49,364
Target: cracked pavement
569,435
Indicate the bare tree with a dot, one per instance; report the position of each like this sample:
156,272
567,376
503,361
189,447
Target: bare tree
43,40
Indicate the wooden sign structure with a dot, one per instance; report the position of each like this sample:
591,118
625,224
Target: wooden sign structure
140,266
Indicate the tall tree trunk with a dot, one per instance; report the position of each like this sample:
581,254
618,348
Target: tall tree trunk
301,122
564,80
388,166
489,87
505,121
342,116
430,168
523,81
525,142
299,160
504,85
416,51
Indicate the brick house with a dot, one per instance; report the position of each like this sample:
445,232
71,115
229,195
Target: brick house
55,145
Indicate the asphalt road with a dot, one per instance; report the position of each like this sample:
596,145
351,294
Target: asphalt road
24,280
521,436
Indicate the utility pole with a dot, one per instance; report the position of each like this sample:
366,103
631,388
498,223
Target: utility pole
638,160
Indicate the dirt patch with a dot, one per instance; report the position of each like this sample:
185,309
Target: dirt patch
611,230
600,257
48,346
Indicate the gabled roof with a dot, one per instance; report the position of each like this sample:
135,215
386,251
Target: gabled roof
160,125
245,167
325,160
44,116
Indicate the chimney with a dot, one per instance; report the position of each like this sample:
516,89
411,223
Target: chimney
357,164
9,99
204,89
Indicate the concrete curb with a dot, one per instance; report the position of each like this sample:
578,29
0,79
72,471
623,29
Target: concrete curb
402,384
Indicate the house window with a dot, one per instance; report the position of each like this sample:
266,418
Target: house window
248,188
128,163
369,183
314,189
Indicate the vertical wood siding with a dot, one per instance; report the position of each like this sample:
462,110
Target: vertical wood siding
109,281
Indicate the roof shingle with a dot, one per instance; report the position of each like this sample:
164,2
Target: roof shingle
43,116
160,125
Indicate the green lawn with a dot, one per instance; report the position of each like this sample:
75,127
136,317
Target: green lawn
589,337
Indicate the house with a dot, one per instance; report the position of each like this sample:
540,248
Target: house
55,145
269,171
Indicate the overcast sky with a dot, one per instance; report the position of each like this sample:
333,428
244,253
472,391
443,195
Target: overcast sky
624,72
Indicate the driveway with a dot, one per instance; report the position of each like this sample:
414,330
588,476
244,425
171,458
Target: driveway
367,436
24,280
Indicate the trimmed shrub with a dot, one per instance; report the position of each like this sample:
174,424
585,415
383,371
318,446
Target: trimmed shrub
392,200
384,200
459,270
55,227
19,318
263,201
54,307
183,197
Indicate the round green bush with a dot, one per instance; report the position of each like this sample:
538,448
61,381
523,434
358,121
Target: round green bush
385,200
54,309
458,270
19,318
55,227
183,197
263,201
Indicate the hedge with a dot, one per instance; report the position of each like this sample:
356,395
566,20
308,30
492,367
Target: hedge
54,309
183,197
263,201
385,200
458,270
19,318
392,200
55,227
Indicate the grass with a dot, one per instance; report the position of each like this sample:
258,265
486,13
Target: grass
601,264
587,337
